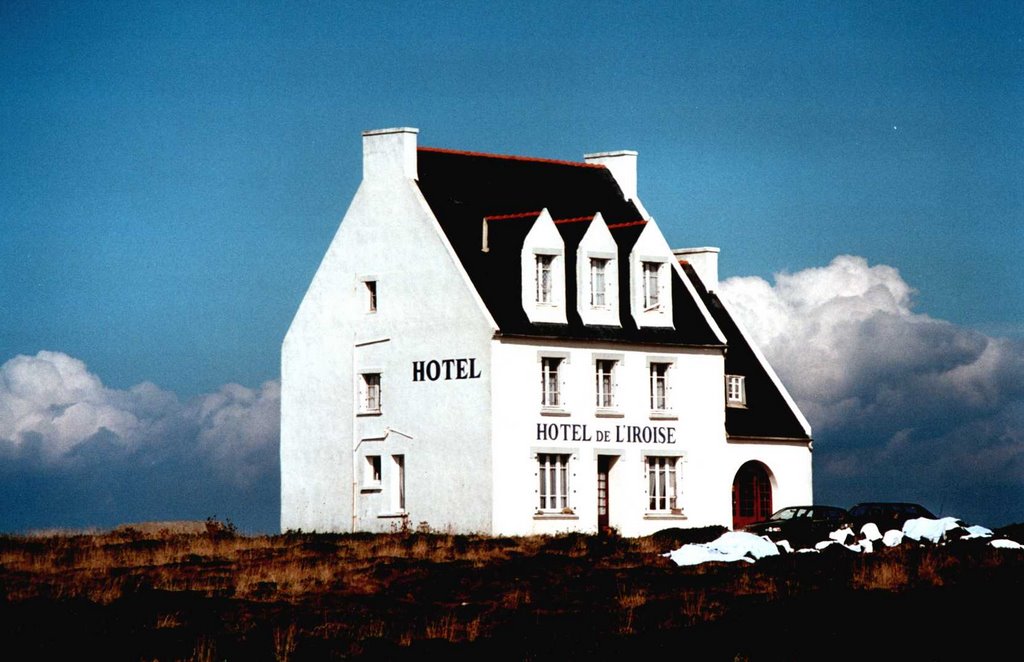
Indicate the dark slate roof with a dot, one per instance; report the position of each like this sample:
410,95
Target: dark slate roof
464,187
767,413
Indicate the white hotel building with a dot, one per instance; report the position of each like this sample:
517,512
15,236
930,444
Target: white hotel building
507,345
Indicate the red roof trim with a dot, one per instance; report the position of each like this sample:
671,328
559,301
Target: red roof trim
575,219
628,224
506,217
509,157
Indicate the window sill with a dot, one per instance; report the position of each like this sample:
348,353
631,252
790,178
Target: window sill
663,415
368,413
736,405
370,488
663,516
392,515
555,516
547,410
606,412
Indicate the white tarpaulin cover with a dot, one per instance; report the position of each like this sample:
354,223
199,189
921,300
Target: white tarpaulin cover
742,546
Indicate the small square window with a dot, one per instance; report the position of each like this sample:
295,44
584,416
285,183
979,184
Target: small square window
371,295
553,473
659,386
735,391
369,393
371,475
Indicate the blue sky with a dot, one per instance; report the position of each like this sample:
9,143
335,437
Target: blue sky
173,173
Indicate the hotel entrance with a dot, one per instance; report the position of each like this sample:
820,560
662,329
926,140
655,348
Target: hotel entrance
604,465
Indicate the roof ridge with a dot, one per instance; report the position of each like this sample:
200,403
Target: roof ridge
505,217
510,157
627,224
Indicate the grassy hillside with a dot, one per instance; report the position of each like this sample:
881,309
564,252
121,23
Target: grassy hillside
159,594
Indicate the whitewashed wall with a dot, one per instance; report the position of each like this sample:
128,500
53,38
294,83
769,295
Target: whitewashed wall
426,311
698,430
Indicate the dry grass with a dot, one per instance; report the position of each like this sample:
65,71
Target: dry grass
880,574
359,590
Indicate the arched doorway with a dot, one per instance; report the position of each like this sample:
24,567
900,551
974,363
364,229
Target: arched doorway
751,495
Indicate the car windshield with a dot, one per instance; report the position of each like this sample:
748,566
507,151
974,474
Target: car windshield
790,513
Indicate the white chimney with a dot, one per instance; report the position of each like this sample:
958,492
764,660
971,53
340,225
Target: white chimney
704,261
390,153
622,165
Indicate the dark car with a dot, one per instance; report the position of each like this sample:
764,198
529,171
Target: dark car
800,525
886,515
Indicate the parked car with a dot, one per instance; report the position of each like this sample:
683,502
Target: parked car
886,515
800,525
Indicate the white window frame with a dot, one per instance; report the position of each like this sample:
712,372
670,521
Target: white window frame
370,394
368,293
372,468
662,485
735,391
371,295
599,267
604,386
398,494
659,402
653,287
544,279
554,485
551,386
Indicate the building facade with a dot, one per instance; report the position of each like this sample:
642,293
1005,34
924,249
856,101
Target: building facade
508,345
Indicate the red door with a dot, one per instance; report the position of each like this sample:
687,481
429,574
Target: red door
751,495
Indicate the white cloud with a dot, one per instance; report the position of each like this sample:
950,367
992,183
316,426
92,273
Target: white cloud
53,404
53,396
888,391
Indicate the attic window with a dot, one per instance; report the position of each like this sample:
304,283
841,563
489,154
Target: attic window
598,282
652,288
735,391
545,288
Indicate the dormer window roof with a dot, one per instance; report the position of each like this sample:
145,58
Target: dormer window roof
597,277
543,272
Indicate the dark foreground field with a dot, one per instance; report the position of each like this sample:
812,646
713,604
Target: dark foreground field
215,595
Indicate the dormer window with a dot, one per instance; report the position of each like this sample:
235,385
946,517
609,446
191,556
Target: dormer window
597,276
544,264
598,282
651,285
651,278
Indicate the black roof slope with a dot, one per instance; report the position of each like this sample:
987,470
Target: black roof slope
767,413
464,187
